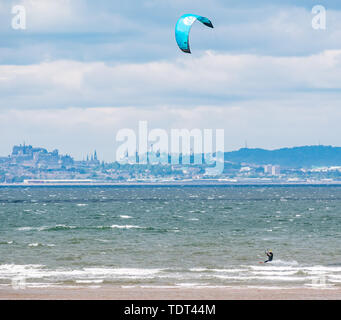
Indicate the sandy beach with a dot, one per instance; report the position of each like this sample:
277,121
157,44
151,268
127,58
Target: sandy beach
118,293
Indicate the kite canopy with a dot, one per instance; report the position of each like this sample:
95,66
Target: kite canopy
183,28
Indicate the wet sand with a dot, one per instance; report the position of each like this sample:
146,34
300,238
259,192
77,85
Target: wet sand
118,293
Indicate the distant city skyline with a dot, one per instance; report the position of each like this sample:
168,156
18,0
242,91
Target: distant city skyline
88,155
308,164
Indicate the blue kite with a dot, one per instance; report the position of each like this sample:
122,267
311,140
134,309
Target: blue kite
183,28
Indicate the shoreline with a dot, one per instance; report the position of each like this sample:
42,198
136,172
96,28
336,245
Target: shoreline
119,293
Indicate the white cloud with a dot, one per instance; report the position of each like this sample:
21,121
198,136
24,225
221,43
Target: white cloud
210,79
87,30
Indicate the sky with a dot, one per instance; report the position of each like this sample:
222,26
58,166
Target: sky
84,69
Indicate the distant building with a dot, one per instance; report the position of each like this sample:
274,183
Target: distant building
92,160
38,157
57,181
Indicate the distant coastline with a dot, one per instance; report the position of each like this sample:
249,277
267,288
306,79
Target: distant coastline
309,165
210,183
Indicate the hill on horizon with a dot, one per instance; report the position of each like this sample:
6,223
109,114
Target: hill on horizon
296,157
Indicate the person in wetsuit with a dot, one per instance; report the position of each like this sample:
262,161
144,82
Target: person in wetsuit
270,256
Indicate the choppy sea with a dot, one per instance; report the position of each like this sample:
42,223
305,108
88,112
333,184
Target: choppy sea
171,236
